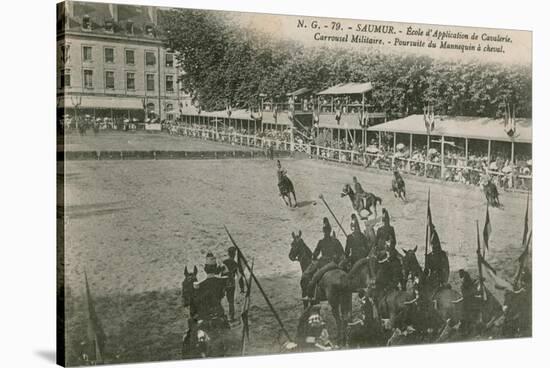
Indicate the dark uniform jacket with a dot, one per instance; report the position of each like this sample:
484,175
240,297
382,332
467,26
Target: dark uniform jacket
384,234
357,246
209,294
330,249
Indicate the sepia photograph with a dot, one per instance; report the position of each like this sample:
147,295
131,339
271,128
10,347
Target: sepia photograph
239,184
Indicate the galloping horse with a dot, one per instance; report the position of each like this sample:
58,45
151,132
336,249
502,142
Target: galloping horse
285,189
491,193
398,186
369,202
204,339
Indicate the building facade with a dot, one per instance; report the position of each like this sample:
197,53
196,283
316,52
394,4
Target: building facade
111,63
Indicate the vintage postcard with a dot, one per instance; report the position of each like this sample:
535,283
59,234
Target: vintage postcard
244,184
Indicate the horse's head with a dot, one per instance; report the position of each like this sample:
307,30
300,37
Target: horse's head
187,288
297,246
410,262
346,191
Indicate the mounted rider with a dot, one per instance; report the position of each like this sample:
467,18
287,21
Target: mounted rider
360,194
357,246
389,258
330,250
471,300
209,294
281,175
437,262
385,234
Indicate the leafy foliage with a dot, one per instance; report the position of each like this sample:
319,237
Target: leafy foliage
230,66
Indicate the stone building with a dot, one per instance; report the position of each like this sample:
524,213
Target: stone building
111,63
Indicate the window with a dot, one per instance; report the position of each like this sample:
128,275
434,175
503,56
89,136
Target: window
150,59
109,55
86,23
150,82
130,57
170,60
109,26
131,81
149,30
130,27
65,78
110,80
88,76
87,53
169,83
64,51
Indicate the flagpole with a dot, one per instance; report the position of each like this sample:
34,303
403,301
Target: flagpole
259,286
428,231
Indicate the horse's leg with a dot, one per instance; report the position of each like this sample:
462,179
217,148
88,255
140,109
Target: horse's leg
334,301
295,202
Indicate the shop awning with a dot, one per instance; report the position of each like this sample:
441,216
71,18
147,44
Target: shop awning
103,102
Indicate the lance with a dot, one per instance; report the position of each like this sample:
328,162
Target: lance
244,314
259,286
333,215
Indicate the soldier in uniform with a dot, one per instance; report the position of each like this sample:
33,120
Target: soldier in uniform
357,245
230,270
312,332
437,262
281,173
329,249
360,194
209,294
385,234
471,300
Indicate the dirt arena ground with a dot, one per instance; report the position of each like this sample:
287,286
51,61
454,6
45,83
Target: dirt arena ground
134,225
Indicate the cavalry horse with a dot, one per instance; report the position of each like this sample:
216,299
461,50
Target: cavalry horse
398,186
440,300
286,188
367,203
204,339
334,285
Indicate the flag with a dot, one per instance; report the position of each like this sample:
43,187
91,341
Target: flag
96,335
487,229
522,260
480,265
240,273
429,227
526,240
498,281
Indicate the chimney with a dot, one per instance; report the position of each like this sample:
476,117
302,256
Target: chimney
152,11
113,9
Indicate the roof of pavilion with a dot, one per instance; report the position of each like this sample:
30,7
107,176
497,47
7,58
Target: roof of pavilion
461,127
347,89
267,117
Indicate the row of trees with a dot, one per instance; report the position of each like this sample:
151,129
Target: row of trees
226,65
